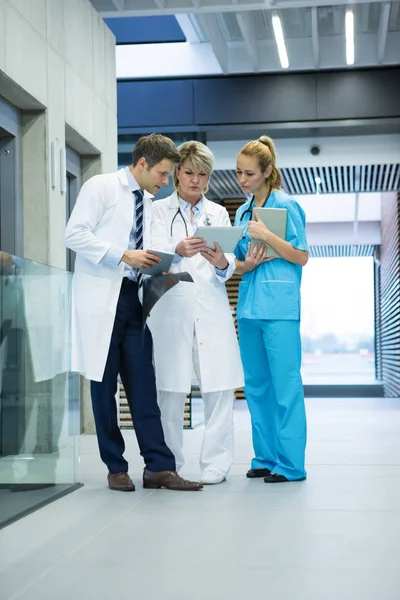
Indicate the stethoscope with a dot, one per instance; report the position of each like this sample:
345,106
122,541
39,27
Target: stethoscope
207,221
252,207
250,211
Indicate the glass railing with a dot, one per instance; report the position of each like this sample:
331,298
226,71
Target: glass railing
39,397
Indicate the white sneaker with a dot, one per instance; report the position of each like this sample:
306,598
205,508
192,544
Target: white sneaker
211,477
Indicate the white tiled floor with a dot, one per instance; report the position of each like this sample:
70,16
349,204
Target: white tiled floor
334,537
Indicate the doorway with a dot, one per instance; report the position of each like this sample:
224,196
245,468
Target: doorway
73,185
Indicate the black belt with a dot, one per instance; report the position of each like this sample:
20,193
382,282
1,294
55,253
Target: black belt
127,281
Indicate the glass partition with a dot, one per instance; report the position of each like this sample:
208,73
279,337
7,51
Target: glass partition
39,397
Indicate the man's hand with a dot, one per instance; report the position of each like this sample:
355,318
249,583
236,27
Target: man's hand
6,262
215,257
140,259
190,246
257,229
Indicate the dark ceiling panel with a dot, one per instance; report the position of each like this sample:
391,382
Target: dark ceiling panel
358,94
155,103
254,99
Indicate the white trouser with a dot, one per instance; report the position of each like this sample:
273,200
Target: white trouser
217,447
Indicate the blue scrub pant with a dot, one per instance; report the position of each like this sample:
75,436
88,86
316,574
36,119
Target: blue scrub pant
271,356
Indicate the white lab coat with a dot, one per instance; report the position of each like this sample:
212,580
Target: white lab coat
101,220
202,306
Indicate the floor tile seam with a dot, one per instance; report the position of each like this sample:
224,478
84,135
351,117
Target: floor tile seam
340,464
77,549
306,510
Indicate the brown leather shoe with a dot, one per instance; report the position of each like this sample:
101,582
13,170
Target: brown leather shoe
121,482
170,480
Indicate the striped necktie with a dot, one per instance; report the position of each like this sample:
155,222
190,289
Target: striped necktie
139,219
139,226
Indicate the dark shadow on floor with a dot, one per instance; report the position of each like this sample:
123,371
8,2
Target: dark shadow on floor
19,500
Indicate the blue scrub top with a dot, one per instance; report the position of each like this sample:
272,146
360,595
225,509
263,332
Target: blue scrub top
272,290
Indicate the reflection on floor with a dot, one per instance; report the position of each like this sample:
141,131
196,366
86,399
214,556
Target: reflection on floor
17,500
28,481
332,537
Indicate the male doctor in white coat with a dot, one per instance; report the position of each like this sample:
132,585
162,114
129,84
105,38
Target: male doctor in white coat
109,230
192,325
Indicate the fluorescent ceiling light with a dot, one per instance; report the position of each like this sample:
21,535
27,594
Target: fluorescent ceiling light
280,42
349,26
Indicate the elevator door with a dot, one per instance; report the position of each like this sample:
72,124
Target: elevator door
7,192
11,333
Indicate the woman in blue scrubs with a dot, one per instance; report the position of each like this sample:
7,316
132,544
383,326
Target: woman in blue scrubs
268,315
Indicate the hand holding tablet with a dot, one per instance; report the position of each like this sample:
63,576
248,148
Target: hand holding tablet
162,267
226,237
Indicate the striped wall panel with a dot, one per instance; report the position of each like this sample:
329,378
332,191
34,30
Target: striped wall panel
302,180
125,419
377,316
389,302
342,250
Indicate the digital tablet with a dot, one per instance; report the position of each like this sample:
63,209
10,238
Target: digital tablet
162,267
276,221
226,237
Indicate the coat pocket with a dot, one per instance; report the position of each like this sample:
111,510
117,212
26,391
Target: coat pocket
92,294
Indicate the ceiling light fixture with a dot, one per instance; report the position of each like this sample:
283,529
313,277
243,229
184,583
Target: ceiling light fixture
349,27
280,41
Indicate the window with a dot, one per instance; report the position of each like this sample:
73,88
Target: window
338,321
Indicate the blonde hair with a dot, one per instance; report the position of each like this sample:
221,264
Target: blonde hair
198,155
264,150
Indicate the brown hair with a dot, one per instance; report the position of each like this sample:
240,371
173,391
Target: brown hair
264,150
199,155
154,148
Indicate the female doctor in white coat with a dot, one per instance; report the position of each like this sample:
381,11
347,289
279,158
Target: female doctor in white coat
192,324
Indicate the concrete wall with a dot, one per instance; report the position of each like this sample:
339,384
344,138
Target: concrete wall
57,64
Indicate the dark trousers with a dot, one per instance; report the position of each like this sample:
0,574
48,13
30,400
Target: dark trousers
130,355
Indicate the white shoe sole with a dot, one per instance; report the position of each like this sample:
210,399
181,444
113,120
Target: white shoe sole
212,482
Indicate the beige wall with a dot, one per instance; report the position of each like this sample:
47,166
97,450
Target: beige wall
57,63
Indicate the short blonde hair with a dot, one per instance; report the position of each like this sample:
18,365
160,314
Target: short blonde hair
199,155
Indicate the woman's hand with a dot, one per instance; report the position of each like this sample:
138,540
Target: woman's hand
255,257
216,257
189,246
257,229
